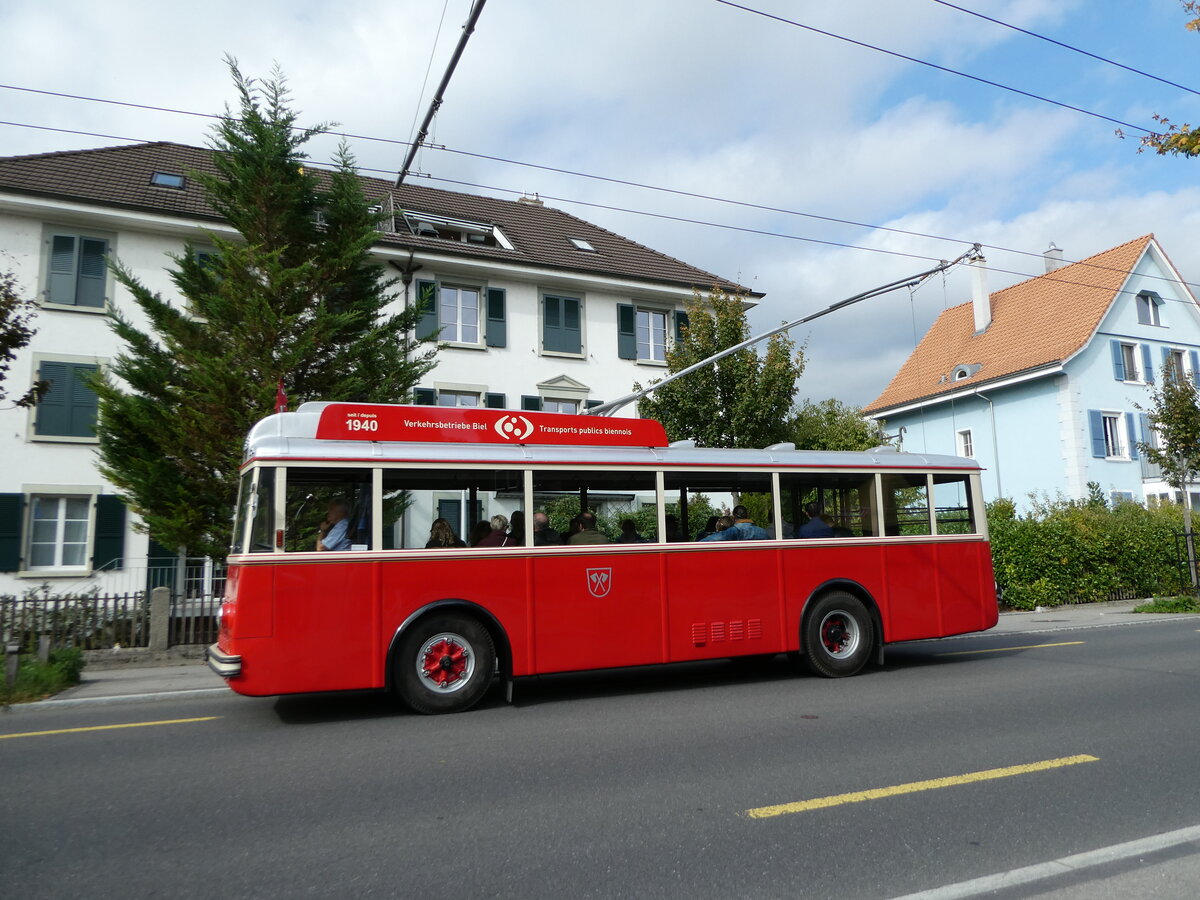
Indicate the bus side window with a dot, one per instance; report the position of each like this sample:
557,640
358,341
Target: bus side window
953,511
438,508
840,504
261,512
327,504
608,497
905,504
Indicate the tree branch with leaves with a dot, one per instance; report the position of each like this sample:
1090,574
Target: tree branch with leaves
16,331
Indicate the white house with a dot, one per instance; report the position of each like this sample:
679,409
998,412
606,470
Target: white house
536,309
1044,382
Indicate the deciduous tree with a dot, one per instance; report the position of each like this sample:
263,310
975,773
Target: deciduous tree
1177,140
16,330
739,401
833,425
294,297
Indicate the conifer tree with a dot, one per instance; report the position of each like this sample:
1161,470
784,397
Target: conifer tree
294,297
742,400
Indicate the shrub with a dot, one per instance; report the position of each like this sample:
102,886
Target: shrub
1083,551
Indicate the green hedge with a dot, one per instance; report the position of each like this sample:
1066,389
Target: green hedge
1079,551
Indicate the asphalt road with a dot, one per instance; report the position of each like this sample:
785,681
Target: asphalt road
633,784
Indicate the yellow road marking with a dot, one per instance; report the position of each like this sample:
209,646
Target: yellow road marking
766,812
4,737
1002,649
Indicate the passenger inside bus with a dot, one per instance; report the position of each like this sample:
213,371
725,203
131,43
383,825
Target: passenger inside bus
497,534
816,526
584,530
442,535
333,532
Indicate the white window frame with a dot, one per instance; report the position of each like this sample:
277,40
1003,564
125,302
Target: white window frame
639,311
561,401
480,299
1180,356
966,443
1113,425
1152,307
59,492
458,397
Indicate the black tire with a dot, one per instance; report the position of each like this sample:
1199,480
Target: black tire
444,664
838,635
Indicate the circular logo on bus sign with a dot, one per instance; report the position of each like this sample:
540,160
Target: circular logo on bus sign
515,428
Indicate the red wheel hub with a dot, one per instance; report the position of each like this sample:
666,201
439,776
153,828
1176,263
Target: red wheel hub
445,662
834,634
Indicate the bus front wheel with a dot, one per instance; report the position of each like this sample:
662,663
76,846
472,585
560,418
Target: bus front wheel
838,635
444,664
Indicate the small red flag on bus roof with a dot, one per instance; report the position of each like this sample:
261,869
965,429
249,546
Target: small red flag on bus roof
280,398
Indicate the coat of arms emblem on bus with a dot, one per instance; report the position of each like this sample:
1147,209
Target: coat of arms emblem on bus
599,582
514,427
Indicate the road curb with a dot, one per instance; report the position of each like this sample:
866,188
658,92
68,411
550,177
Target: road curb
42,705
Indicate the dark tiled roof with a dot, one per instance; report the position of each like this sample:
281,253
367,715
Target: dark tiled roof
120,176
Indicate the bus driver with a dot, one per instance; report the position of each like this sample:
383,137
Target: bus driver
332,533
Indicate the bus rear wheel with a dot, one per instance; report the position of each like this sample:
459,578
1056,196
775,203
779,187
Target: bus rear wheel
444,664
838,635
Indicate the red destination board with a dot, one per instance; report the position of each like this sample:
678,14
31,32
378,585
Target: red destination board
378,422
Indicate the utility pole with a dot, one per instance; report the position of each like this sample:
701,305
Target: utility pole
436,103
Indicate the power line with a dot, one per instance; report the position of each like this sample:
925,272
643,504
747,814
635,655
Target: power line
660,189
922,62
1065,46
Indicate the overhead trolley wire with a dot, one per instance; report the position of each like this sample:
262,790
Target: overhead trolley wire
922,62
1071,47
681,219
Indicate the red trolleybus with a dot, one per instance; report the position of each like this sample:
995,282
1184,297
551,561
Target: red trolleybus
332,586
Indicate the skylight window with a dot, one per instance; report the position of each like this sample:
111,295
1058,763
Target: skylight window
581,244
168,180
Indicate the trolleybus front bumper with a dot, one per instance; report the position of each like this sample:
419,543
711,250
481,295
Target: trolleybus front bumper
222,663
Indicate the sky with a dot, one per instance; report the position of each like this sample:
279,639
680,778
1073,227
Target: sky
695,96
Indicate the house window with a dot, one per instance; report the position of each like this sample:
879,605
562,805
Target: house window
560,406
1175,364
651,335
562,324
1121,496
58,532
1113,445
1129,359
1148,303
76,270
966,443
458,314
168,179
457,398
449,229
68,409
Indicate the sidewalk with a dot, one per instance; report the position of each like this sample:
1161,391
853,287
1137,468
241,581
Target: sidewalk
192,677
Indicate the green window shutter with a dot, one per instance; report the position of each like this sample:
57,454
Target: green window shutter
561,329
84,404
427,325
60,281
531,404
496,330
108,547
681,324
53,412
93,272
12,517
495,401
424,396
592,404
626,331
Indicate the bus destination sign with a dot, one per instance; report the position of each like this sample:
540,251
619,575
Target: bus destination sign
379,422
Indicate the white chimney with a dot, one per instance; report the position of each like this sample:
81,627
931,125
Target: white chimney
1054,258
979,294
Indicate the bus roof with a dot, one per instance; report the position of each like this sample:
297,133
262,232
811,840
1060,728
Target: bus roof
420,434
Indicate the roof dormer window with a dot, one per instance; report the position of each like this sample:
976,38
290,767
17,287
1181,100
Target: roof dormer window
450,229
958,373
168,180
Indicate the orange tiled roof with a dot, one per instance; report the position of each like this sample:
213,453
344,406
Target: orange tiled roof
1034,323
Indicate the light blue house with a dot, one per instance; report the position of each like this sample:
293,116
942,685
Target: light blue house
1042,381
